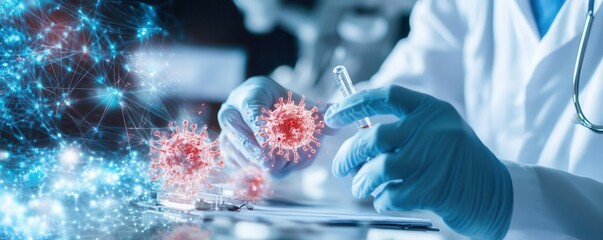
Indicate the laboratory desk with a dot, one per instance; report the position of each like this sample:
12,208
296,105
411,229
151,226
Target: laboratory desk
144,222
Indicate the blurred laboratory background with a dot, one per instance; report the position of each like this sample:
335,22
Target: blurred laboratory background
219,44
85,84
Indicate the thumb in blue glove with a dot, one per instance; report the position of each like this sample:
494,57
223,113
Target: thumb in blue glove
430,159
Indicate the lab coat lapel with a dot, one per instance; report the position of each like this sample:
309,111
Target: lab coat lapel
549,91
565,29
568,25
525,20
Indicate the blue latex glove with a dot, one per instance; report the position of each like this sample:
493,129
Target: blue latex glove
238,119
430,159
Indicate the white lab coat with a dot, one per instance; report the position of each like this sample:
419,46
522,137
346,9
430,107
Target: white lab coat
515,89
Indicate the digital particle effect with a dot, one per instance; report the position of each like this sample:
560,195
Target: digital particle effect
184,159
290,127
251,184
73,127
66,71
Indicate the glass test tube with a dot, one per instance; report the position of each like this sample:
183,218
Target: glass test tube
347,88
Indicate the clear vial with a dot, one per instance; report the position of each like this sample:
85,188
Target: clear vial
347,88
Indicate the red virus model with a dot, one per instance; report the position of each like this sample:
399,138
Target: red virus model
251,184
289,127
187,232
184,159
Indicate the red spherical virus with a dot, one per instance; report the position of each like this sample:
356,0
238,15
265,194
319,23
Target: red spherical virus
251,184
184,159
290,127
187,232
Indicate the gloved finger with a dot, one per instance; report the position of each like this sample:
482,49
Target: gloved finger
394,100
230,154
289,166
259,93
239,134
250,98
248,148
243,140
411,194
396,196
342,168
404,163
276,165
373,174
279,169
367,143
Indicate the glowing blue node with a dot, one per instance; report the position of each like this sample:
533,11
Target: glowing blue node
9,8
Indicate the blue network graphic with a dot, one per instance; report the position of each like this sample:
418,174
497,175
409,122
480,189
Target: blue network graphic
75,116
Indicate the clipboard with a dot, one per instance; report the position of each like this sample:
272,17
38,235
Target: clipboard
320,215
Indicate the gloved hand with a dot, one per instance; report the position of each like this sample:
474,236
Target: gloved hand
238,118
430,159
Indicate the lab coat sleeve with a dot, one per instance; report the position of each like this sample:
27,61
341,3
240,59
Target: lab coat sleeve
554,204
430,59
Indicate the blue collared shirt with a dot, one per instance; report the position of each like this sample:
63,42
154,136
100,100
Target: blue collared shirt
544,13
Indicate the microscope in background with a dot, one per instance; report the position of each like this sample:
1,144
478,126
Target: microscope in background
356,33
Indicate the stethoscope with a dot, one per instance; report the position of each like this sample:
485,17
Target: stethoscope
582,120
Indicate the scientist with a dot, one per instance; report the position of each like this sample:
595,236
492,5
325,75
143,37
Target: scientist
487,135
